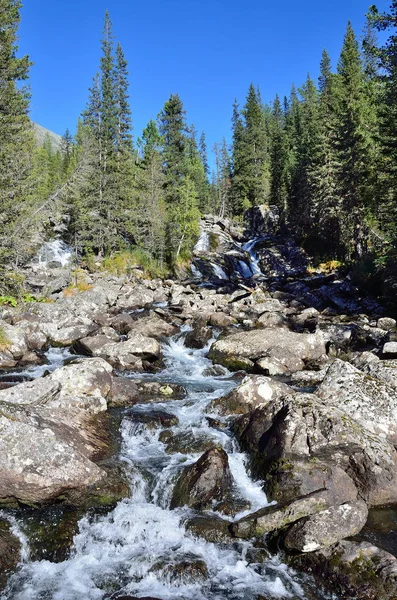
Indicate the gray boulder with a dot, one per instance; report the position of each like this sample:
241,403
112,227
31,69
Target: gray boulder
327,527
203,482
363,397
254,345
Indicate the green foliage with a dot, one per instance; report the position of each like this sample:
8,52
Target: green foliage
124,263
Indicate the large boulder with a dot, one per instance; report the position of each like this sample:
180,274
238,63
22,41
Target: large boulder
365,398
352,570
327,527
83,385
48,454
205,481
254,390
293,442
234,349
152,326
129,354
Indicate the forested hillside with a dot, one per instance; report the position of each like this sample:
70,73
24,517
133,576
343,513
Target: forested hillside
326,156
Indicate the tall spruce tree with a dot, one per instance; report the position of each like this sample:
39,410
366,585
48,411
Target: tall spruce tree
279,159
180,192
354,145
325,166
16,136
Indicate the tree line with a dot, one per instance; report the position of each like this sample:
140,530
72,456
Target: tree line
325,156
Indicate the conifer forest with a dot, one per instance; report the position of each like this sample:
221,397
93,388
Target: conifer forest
326,156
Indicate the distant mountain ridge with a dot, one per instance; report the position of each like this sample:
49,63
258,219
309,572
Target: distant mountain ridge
41,132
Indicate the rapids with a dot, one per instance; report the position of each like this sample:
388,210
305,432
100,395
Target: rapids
127,551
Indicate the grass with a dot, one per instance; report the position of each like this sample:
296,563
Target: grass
123,263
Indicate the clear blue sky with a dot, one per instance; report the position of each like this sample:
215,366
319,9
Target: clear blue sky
207,51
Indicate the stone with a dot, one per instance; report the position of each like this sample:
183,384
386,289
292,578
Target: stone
387,323
154,419
16,342
83,385
254,390
182,573
93,346
272,319
254,345
211,528
199,336
67,336
10,552
279,361
221,320
153,327
186,442
129,354
352,570
127,392
389,350
305,428
363,397
327,527
203,482
122,323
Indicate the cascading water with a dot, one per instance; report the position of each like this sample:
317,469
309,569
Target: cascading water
54,253
134,548
254,259
218,271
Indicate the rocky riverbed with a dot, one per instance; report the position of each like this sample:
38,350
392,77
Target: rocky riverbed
218,438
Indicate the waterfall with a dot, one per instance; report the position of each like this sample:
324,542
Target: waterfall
55,253
254,262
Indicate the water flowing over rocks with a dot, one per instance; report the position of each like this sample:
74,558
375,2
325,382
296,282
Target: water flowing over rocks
111,400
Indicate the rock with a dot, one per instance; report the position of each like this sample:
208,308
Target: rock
383,370
272,319
93,346
279,361
390,350
153,327
308,378
47,455
67,336
133,298
199,336
386,323
10,552
154,419
186,442
302,428
15,342
127,392
203,482
7,360
262,219
353,570
253,391
182,573
83,385
327,527
122,323
365,398
129,354
211,528
221,320
277,517
254,345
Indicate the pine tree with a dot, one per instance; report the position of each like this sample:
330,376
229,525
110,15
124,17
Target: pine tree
302,200
150,207
354,141
239,191
388,116
324,173
16,135
279,159
223,180
180,192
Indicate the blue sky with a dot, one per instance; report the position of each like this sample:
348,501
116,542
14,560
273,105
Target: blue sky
207,51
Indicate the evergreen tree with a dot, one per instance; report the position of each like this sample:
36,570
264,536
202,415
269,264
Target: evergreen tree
180,192
221,204
16,136
302,200
325,166
279,159
354,141
388,115
239,191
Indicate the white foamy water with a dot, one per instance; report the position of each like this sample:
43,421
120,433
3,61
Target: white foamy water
56,252
130,550
254,263
218,271
203,243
